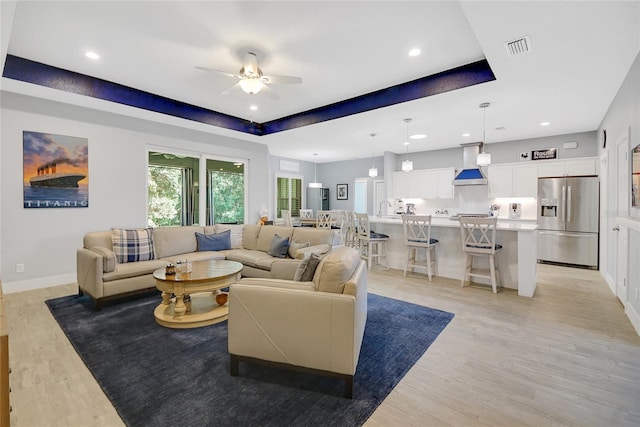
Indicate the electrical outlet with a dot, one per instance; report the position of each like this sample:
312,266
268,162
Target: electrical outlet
19,268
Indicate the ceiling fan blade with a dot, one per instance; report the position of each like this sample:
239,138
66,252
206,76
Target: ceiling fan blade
280,79
224,73
269,92
230,89
250,64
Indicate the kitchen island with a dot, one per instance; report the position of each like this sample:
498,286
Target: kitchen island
517,259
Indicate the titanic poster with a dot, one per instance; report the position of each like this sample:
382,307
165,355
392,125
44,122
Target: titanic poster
55,171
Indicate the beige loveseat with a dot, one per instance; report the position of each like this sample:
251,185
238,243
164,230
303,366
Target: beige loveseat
314,326
101,277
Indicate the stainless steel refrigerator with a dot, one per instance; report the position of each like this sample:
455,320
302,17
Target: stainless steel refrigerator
318,199
568,220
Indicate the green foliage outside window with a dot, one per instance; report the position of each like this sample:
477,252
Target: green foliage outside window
165,196
228,196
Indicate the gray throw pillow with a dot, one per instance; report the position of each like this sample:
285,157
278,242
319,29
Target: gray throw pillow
279,246
307,268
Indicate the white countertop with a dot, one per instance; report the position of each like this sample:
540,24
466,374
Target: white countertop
445,221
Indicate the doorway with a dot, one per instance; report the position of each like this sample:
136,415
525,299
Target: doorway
622,197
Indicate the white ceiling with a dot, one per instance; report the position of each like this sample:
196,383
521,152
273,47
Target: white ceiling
581,53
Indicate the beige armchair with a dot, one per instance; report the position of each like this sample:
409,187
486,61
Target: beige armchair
314,326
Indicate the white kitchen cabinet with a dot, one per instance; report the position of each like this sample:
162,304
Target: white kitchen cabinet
424,184
525,181
400,185
569,167
444,177
517,180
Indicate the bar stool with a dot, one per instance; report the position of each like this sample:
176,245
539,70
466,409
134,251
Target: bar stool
479,239
350,234
417,236
372,245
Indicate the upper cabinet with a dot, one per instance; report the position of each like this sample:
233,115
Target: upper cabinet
512,180
569,167
424,184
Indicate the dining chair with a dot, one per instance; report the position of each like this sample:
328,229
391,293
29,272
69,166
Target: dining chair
324,219
479,240
306,213
372,245
417,236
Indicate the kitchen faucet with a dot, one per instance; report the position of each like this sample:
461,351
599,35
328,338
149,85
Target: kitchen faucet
380,207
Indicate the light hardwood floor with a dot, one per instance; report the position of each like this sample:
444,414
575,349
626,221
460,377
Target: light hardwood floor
567,357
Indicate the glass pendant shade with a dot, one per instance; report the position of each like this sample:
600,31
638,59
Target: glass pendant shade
484,159
373,172
407,165
315,185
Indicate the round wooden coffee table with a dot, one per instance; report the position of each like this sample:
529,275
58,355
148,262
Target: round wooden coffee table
199,288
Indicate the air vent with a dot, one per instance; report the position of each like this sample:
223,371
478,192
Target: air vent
518,46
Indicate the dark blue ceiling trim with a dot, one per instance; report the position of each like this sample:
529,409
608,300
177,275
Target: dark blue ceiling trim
456,78
57,78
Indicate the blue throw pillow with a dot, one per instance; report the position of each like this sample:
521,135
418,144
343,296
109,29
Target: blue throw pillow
279,247
214,242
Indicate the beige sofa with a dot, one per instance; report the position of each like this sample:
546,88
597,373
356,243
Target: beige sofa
101,277
314,326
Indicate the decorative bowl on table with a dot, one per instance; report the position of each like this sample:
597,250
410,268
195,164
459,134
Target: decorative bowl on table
221,298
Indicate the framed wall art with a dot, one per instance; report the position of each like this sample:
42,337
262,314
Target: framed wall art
55,170
342,191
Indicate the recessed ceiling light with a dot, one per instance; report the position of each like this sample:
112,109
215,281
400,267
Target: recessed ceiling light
253,108
418,136
92,55
406,143
466,134
414,52
545,124
501,128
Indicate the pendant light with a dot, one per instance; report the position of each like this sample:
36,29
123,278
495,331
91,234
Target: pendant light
373,170
315,183
484,159
407,165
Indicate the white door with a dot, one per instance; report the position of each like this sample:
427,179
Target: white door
622,247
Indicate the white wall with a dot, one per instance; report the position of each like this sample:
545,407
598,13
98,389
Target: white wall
623,115
45,240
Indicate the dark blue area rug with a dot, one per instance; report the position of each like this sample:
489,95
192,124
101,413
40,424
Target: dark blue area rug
156,376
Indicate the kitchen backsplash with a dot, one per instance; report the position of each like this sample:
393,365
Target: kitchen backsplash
470,199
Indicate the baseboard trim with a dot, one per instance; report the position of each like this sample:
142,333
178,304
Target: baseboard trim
634,317
41,283
610,282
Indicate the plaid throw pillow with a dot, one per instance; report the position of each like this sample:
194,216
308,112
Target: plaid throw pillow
132,245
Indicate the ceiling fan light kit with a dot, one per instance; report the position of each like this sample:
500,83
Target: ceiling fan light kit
250,85
251,79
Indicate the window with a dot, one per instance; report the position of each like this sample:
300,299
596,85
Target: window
288,195
171,190
225,192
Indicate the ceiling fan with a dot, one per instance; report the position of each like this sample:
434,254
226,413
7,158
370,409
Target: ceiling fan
251,79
